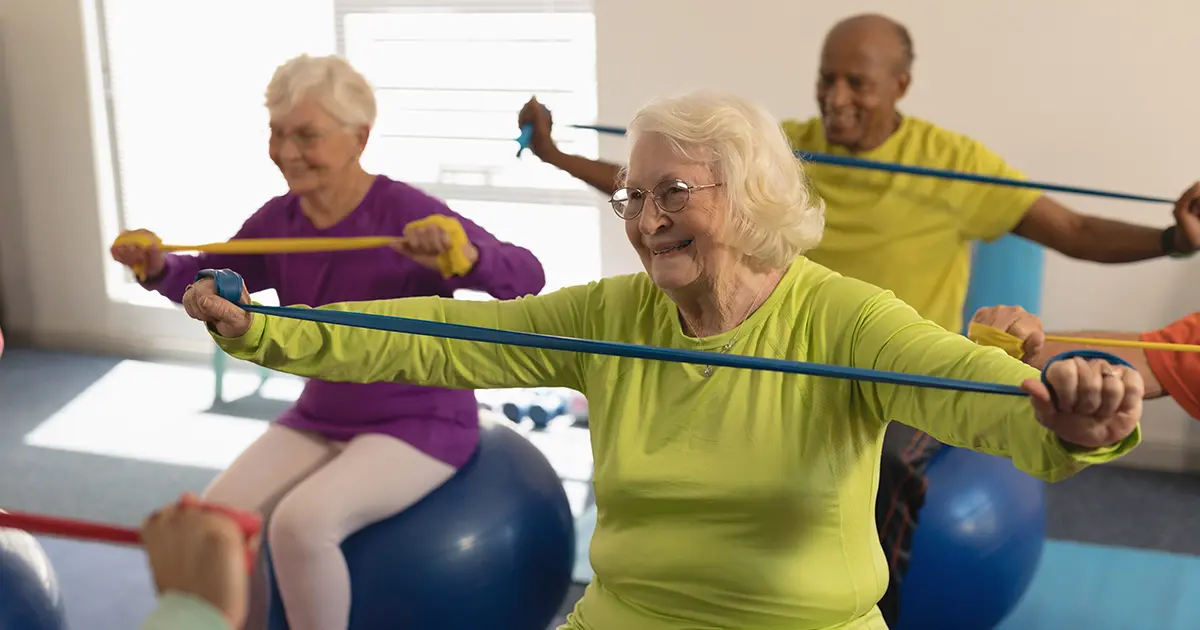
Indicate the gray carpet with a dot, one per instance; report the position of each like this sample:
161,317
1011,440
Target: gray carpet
107,587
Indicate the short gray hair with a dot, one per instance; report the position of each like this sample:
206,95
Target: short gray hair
777,216
331,80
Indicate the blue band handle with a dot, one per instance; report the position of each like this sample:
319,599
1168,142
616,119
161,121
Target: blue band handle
229,287
229,283
525,138
1112,359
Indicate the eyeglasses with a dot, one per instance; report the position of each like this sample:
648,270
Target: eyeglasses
670,196
303,139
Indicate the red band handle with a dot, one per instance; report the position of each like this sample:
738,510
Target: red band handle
249,523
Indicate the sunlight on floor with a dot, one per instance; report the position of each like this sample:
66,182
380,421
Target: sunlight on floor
164,414
159,413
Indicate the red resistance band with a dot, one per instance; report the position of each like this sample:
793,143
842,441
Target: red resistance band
249,523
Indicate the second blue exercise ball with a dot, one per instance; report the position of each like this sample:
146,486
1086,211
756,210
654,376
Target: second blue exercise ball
977,544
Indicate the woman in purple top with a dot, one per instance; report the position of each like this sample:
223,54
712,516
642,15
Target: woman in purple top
345,455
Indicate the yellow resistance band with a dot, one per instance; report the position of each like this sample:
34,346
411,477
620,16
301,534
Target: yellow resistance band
450,262
988,336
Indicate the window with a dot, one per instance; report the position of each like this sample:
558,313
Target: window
187,130
182,94
450,78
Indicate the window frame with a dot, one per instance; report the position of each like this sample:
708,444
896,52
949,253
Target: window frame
510,194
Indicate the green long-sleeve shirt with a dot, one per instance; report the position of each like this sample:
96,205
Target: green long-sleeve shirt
740,500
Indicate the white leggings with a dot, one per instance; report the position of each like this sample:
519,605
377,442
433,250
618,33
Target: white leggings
313,493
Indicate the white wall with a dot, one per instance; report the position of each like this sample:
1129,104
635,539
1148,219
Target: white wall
1099,97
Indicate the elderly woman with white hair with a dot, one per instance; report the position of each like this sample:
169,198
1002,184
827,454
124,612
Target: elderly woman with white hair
726,498
345,454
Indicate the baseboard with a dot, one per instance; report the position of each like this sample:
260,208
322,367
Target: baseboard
141,349
1162,456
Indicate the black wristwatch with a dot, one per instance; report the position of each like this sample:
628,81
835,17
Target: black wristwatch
1168,244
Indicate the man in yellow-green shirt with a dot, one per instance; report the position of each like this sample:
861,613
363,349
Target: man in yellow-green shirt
907,233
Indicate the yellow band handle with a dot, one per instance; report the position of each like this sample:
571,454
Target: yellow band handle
988,336
451,262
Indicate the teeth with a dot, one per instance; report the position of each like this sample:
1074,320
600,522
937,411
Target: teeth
672,248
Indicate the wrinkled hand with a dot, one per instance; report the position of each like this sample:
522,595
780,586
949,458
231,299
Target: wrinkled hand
425,243
1096,404
1017,322
536,114
150,259
202,303
200,552
1187,220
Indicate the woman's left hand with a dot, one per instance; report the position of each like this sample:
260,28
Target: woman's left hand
425,243
1095,404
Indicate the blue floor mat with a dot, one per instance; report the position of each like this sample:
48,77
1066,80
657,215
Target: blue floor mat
1096,587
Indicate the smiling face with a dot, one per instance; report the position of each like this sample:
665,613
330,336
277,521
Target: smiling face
311,149
861,78
678,249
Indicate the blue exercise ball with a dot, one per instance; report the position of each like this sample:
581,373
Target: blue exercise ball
977,544
492,548
29,595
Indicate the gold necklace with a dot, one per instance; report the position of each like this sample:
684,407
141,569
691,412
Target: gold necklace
708,369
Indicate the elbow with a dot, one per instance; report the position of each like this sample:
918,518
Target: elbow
1080,239
530,278
522,275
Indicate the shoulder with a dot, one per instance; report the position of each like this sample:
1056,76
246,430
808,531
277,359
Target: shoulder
835,305
616,296
274,212
390,194
804,134
823,289
628,307
945,147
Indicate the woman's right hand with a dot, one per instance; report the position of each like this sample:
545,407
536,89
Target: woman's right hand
150,259
202,303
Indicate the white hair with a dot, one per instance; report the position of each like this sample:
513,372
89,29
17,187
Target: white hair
331,80
776,215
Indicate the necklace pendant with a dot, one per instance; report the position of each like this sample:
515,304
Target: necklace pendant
707,371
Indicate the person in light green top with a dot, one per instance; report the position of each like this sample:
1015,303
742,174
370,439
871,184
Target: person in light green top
726,498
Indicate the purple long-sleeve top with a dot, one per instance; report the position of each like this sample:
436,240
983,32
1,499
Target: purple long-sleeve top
443,423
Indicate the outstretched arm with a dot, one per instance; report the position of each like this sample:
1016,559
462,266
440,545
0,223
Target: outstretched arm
359,355
603,176
1093,238
180,269
890,335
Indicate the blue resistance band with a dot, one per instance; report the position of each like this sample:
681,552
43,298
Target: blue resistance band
229,287
891,167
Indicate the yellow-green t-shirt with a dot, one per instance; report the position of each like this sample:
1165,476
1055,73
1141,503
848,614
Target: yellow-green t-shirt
910,233
744,500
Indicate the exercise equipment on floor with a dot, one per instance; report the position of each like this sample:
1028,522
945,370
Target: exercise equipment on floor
977,544
29,595
492,548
